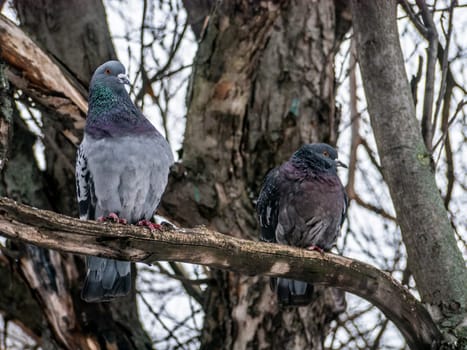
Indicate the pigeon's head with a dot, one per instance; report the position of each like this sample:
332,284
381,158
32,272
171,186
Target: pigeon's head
318,155
110,74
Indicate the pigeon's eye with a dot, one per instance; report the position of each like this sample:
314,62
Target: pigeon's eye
326,153
107,71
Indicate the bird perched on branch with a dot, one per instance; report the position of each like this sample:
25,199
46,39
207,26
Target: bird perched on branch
122,169
302,203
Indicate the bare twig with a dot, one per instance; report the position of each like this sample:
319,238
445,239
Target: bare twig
413,17
373,208
355,119
432,37
444,69
371,154
376,342
441,139
164,72
192,289
415,80
159,319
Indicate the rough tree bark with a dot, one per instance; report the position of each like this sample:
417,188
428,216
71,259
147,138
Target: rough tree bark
75,32
262,85
76,35
433,256
6,116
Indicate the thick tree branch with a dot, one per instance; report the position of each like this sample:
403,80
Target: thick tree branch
21,52
35,73
205,247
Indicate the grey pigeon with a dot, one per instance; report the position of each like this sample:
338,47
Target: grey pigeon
302,203
122,170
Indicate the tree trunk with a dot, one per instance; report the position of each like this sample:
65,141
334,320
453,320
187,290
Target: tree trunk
433,255
262,84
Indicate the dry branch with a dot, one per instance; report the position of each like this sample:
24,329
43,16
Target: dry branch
34,72
206,247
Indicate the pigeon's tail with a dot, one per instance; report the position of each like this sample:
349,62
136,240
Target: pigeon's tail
106,279
291,292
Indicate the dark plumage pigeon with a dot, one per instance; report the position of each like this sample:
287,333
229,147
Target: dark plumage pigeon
122,169
302,203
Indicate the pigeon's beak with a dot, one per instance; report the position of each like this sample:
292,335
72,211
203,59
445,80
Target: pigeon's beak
339,163
123,78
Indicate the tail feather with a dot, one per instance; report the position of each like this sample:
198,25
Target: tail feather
291,292
106,279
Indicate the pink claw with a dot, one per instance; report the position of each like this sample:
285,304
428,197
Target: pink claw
316,248
112,217
152,226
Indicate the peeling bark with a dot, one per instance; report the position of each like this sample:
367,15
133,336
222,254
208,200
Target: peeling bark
31,70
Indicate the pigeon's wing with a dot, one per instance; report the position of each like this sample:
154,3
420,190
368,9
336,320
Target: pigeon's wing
105,279
84,186
267,206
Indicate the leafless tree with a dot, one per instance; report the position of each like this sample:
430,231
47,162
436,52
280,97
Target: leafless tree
265,79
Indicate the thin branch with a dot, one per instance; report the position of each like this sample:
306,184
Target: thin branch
421,29
376,343
415,80
450,176
354,117
206,247
164,72
169,331
413,17
373,208
444,69
432,37
371,154
442,138
193,290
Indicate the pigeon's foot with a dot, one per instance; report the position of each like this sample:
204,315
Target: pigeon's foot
316,248
112,217
152,226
